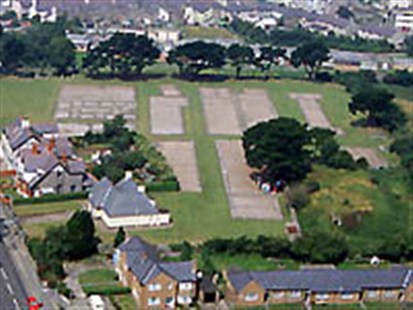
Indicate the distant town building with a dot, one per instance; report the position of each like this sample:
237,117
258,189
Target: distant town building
403,19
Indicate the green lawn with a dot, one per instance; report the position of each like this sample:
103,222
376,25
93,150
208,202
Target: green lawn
97,276
207,33
123,302
38,230
32,98
196,216
47,208
250,262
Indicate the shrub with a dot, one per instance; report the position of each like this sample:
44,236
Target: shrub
109,290
166,186
50,198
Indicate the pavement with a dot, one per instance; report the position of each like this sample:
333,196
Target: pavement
12,292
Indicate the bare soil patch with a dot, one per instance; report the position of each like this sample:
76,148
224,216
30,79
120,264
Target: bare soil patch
370,154
166,115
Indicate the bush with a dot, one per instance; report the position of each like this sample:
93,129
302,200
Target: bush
400,77
166,186
50,198
323,77
112,290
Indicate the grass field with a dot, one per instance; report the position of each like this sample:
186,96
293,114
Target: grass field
47,208
38,230
124,302
207,33
33,98
101,279
196,216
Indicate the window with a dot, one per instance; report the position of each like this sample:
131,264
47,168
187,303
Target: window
154,301
154,287
295,294
170,286
73,188
321,296
169,300
278,295
251,297
388,294
185,286
371,294
58,173
347,296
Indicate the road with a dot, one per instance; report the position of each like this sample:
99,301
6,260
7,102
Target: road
12,291
19,278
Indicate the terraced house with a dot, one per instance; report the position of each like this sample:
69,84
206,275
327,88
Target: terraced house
319,286
154,284
43,161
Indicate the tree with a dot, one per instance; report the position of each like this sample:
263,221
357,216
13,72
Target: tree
12,51
277,148
122,54
408,42
311,55
269,56
192,58
186,251
403,146
239,56
119,237
377,105
81,241
62,55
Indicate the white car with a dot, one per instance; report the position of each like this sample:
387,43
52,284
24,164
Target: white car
96,302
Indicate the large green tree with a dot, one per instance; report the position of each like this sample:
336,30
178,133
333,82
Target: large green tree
239,56
408,42
81,241
62,55
123,55
269,56
378,107
12,50
192,58
277,148
311,56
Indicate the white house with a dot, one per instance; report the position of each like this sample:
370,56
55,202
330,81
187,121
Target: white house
123,205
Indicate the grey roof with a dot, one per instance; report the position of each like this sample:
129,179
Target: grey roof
44,161
384,31
322,280
142,260
45,128
121,199
76,166
181,271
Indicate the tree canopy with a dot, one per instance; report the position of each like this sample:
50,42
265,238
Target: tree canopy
239,56
193,57
277,149
122,55
311,56
269,56
408,42
380,110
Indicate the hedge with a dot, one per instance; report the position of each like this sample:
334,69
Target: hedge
112,290
167,186
50,198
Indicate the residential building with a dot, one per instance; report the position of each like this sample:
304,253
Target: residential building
43,161
319,286
123,205
403,19
154,284
375,32
399,4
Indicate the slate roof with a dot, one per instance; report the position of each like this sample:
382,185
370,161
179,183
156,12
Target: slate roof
384,31
322,280
44,161
142,260
122,199
45,128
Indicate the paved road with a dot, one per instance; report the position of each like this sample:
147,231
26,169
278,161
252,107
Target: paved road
12,292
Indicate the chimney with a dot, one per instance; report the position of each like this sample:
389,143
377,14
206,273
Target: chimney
128,175
25,122
35,149
51,145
